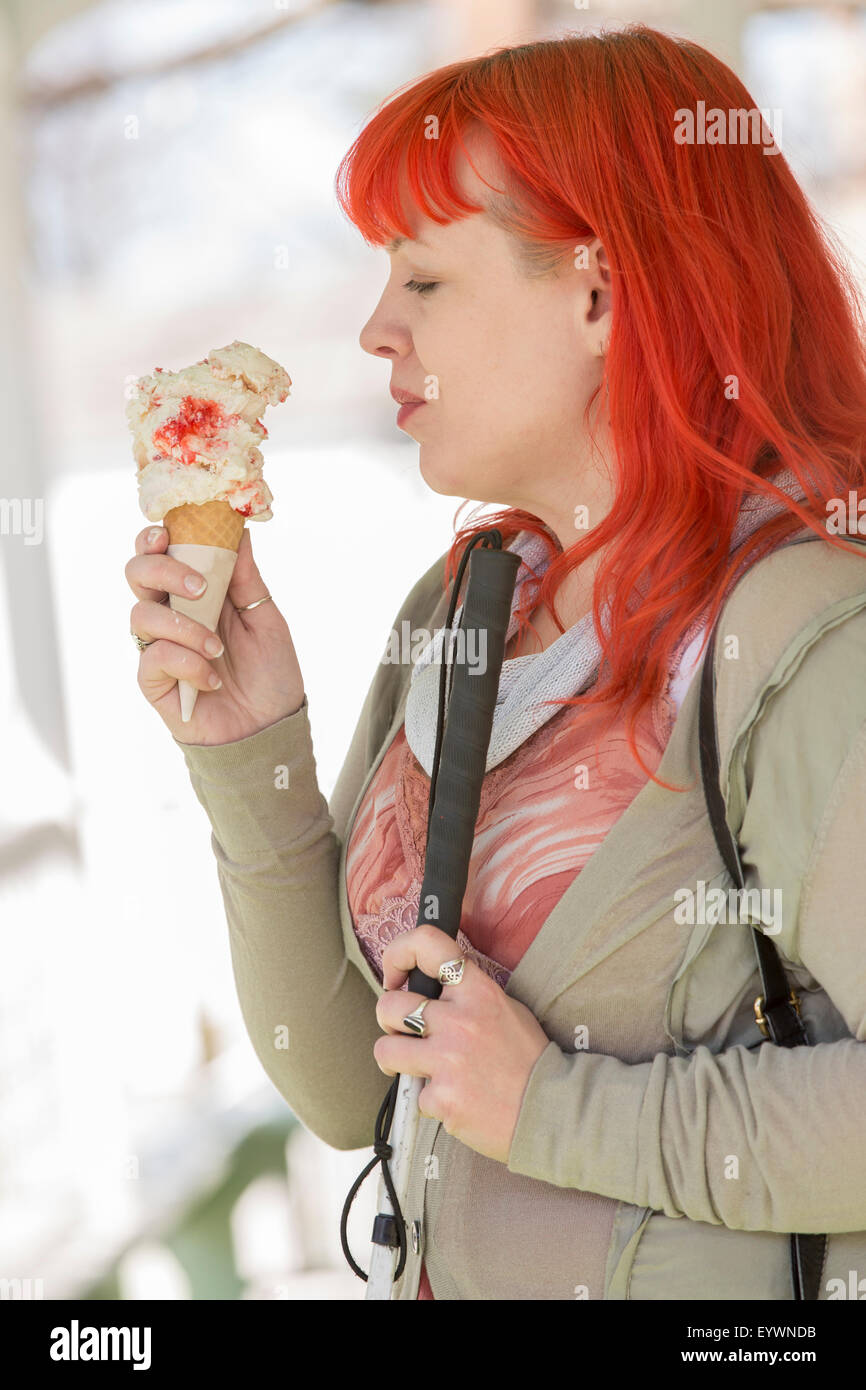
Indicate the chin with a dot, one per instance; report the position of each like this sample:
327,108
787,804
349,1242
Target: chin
453,482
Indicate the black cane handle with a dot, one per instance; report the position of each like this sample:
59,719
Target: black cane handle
465,741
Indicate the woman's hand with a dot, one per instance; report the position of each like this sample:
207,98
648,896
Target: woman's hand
261,678
479,1050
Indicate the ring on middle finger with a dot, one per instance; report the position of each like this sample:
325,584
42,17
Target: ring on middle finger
415,1021
139,641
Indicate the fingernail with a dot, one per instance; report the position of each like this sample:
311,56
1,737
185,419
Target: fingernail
213,646
214,681
195,583
154,534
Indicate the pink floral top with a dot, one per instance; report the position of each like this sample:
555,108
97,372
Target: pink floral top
543,812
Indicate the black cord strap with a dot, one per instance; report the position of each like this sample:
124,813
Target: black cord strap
778,1007
386,1230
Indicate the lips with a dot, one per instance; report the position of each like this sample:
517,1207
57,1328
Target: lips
405,397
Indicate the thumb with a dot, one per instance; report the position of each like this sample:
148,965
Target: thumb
246,583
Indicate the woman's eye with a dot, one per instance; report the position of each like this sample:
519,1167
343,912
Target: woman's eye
420,286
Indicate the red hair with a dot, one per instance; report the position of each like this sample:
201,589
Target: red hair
720,270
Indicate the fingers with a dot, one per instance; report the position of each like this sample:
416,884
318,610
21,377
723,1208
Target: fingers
151,538
425,946
246,583
152,621
407,1055
393,1006
152,574
164,662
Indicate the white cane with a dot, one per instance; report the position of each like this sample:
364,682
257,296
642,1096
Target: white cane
455,794
404,1128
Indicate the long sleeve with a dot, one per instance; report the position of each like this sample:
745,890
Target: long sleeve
661,1133
309,1014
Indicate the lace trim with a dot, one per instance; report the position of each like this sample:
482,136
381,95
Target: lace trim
400,914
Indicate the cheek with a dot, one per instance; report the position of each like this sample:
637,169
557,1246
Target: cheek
457,344
507,373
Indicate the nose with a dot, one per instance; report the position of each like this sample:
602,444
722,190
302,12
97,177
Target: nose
385,334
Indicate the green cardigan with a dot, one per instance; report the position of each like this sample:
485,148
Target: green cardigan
704,1146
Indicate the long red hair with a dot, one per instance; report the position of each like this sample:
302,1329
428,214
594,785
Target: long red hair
737,345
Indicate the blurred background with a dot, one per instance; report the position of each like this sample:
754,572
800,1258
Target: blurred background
166,186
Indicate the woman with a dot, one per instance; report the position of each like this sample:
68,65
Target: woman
621,336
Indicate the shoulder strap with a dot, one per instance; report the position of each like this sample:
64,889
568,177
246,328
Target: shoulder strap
777,1009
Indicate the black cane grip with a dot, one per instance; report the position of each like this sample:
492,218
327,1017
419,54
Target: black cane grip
476,659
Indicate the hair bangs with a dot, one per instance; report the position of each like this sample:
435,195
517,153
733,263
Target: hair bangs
407,149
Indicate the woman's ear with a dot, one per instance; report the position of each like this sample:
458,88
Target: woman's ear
598,298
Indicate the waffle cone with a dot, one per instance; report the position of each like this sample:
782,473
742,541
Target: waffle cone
207,523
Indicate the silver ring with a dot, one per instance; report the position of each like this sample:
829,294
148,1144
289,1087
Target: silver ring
247,606
139,641
451,971
414,1022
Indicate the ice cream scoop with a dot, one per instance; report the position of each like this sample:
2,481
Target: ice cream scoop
195,440
196,432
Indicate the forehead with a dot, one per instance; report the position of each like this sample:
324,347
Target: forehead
473,186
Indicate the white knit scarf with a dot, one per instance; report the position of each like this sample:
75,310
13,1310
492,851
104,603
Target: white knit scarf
564,669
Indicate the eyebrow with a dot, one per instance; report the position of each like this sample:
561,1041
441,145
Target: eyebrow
398,242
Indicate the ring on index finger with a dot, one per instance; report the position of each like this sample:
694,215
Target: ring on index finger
451,971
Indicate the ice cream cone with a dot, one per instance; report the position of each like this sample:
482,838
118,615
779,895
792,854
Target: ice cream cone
210,523
207,538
